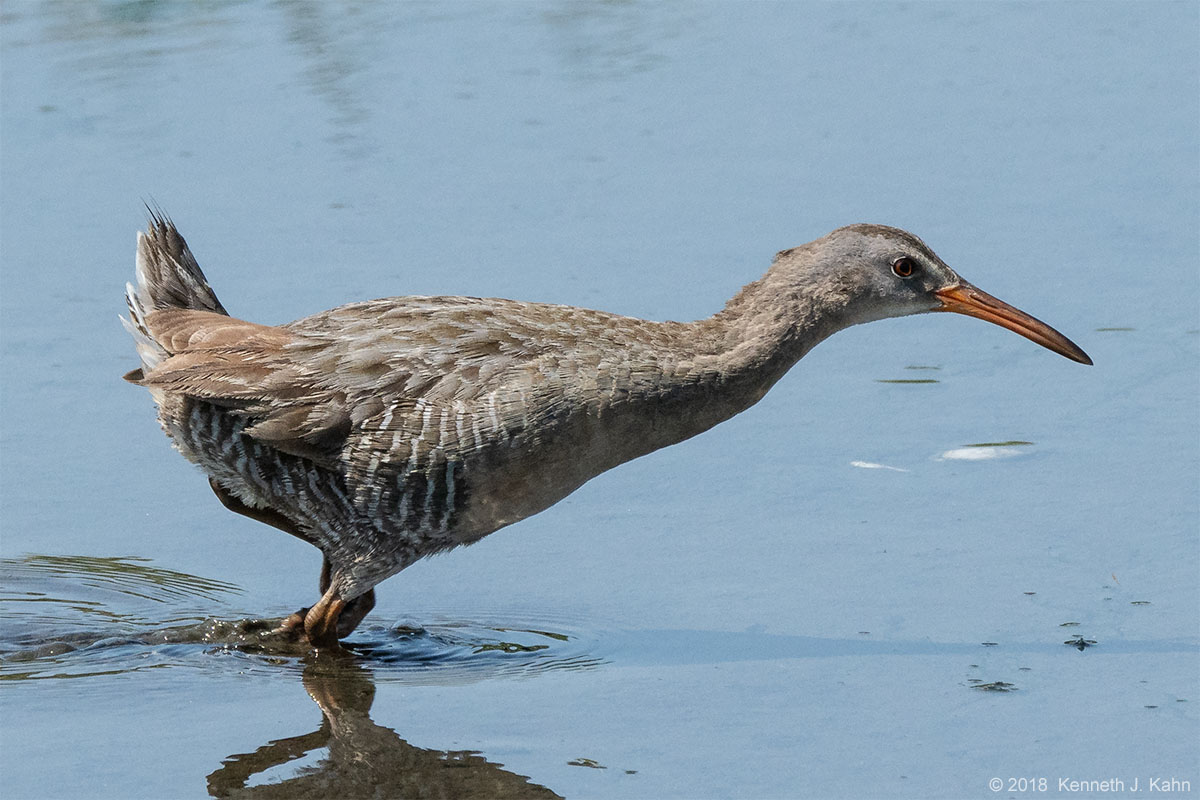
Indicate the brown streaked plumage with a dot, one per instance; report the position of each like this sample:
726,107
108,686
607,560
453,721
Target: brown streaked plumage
388,430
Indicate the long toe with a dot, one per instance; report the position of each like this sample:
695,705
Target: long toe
292,624
321,622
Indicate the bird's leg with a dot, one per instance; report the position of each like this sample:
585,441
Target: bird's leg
323,583
293,622
265,515
321,621
354,612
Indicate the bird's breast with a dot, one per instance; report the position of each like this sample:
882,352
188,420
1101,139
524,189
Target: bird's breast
540,462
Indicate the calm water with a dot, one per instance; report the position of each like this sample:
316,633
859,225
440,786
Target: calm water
862,587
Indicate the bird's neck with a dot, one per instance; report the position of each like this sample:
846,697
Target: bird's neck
770,325
735,356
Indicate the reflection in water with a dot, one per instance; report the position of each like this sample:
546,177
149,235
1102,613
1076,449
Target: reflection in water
82,617
361,758
122,42
336,46
606,41
78,616
71,599
127,575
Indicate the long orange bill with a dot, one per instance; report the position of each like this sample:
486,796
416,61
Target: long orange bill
963,298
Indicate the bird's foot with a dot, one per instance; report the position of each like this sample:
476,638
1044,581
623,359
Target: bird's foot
328,621
321,621
292,625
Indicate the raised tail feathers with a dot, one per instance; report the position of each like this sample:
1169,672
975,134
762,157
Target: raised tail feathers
167,277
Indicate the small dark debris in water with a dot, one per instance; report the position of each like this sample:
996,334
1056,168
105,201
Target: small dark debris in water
1069,625
586,762
1111,330
511,647
1151,706
864,633
631,772
1180,699
973,666
1139,602
906,380
990,644
974,680
562,637
920,366
996,686
1025,669
1029,593
1012,443
1080,642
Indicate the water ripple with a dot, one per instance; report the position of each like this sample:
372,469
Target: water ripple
79,617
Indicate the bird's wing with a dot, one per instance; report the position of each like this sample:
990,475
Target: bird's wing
427,381
246,368
382,385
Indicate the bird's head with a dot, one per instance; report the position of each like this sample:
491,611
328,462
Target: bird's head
875,272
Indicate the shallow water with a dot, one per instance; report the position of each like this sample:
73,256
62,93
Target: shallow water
934,555
61,621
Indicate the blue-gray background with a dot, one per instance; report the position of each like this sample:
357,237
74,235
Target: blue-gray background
771,615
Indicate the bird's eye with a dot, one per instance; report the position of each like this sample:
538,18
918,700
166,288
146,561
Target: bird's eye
904,267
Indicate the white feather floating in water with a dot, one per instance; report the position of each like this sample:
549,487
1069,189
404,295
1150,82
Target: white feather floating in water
870,465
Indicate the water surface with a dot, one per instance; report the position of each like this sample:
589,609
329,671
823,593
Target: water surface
794,604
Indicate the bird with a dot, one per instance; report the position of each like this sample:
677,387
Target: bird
389,430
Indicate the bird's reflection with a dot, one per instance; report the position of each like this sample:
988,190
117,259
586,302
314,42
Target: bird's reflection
362,759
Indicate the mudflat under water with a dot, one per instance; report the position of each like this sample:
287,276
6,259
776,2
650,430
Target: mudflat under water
936,556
